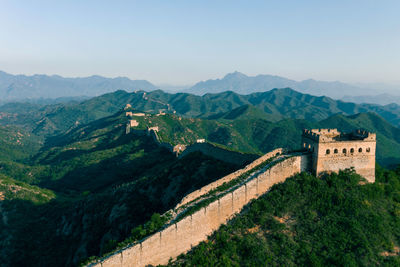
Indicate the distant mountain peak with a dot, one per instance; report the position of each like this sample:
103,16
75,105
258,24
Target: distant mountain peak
243,84
235,74
55,86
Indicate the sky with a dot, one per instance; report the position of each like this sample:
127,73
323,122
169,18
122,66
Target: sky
183,42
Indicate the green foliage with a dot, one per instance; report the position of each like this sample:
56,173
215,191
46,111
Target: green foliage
17,143
254,123
105,183
155,224
11,189
273,105
311,222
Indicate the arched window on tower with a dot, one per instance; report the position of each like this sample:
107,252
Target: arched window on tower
368,149
351,150
344,150
360,150
328,151
335,151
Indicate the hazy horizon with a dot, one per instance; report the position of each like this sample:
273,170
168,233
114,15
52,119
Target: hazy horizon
175,87
180,43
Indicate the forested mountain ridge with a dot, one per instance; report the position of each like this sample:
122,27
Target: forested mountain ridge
244,130
273,105
252,123
85,191
88,186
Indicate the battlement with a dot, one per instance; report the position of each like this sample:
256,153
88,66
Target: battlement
333,135
364,135
317,134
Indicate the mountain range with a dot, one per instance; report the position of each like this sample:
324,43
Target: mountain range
19,87
273,105
254,123
243,84
381,99
76,183
43,88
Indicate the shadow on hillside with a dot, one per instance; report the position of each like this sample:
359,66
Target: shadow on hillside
131,162
68,229
65,138
110,140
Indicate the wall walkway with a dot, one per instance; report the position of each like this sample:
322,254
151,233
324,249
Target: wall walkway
180,237
207,188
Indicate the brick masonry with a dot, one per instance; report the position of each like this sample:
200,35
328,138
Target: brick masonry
180,237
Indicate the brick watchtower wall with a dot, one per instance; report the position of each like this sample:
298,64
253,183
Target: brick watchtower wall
333,151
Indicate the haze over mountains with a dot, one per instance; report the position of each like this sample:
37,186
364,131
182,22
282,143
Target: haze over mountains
243,84
381,99
21,87
32,88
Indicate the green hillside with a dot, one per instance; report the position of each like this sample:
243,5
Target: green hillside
100,154
264,136
250,135
244,112
103,184
273,105
17,143
84,190
307,221
11,189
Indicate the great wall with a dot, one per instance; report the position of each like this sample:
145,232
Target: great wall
187,230
201,145
180,236
206,189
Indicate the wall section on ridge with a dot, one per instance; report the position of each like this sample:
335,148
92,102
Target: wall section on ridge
205,189
180,237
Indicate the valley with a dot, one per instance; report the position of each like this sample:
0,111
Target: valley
73,174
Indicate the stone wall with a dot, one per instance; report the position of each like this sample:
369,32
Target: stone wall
335,156
180,237
205,189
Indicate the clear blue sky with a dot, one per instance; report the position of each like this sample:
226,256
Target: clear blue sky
182,42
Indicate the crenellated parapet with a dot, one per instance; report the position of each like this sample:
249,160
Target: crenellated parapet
333,135
182,235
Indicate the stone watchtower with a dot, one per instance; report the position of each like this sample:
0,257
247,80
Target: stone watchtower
333,151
